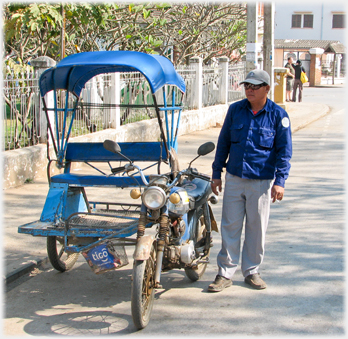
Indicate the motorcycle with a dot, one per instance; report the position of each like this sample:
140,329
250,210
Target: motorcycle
178,205
174,205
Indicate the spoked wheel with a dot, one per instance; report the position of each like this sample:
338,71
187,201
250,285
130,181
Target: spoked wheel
195,273
59,259
143,290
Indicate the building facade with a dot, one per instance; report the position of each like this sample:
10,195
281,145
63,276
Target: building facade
298,27
310,21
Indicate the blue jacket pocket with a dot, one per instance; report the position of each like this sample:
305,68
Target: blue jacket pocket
266,137
236,132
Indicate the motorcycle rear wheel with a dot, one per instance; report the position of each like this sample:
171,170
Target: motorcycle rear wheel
143,290
195,274
59,259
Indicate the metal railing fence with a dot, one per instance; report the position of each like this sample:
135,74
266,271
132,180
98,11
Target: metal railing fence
236,74
20,110
188,73
211,86
95,112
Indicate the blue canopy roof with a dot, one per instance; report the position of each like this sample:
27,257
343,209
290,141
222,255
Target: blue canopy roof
75,70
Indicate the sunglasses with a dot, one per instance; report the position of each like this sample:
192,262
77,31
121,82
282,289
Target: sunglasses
254,87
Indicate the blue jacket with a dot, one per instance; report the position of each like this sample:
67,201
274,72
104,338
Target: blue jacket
255,146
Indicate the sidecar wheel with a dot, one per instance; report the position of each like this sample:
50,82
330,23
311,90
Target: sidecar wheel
195,274
143,290
59,259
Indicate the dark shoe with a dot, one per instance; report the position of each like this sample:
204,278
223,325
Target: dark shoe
219,284
255,281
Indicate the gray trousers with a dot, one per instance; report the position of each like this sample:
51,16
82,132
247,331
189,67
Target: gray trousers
247,199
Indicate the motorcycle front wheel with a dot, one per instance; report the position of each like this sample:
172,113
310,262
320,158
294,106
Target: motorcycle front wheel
59,259
197,272
143,290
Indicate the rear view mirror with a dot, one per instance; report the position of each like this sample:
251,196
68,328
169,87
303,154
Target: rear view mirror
206,148
112,146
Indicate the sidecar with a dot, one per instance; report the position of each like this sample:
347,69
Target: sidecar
72,222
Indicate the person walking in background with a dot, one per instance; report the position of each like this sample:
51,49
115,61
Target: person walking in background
255,147
297,82
290,79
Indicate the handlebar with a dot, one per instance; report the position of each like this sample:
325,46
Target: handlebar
200,175
189,172
129,168
118,169
202,150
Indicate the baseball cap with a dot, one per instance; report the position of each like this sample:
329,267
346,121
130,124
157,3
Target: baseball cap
257,77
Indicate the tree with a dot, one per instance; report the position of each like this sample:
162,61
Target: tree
208,30
86,26
35,30
31,30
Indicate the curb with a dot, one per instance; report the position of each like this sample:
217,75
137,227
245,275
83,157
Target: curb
306,123
19,272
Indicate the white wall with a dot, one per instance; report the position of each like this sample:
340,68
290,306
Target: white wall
322,21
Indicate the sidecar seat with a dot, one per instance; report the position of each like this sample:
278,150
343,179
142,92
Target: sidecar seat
89,152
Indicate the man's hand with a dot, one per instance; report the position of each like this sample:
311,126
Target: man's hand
277,193
216,185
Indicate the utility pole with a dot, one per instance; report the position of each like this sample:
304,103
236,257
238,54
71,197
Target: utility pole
268,42
251,46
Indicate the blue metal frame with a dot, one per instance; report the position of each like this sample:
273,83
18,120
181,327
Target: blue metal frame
171,137
75,70
66,195
72,73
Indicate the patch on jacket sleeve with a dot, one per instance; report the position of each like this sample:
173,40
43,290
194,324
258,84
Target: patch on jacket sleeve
286,122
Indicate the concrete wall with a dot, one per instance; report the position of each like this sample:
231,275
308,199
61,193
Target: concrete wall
30,163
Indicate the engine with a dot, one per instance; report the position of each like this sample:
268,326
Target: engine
178,256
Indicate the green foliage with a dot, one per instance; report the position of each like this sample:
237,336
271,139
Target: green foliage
16,67
207,30
146,13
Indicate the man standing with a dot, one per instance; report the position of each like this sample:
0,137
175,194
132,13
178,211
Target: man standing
290,78
255,147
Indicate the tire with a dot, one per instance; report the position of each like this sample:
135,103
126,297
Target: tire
195,274
59,259
143,290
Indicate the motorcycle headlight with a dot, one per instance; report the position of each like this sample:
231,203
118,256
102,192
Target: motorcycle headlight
154,198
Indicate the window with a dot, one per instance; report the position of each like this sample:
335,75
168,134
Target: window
338,21
302,21
308,21
296,21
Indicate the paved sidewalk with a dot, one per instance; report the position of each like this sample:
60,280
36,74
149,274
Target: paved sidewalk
24,204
